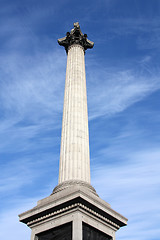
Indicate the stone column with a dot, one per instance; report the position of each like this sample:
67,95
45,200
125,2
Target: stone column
74,209
74,155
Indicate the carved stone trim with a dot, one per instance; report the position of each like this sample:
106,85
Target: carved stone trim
76,205
70,183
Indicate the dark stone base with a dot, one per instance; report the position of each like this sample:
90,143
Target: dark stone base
63,232
90,233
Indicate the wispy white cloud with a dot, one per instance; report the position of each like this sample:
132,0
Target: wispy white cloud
25,171
146,29
130,188
132,24
33,80
31,95
117,90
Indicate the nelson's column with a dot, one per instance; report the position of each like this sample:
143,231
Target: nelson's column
74,210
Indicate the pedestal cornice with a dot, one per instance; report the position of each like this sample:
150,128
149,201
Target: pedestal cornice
69,200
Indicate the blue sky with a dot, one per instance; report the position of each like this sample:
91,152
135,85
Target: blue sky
123,88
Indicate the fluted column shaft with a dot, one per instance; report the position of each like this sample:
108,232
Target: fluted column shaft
74,155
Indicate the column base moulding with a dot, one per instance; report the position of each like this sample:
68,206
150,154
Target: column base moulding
72,183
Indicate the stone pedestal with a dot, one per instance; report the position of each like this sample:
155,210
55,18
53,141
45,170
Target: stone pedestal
76,211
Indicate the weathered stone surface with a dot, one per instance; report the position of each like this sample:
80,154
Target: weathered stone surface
74,155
